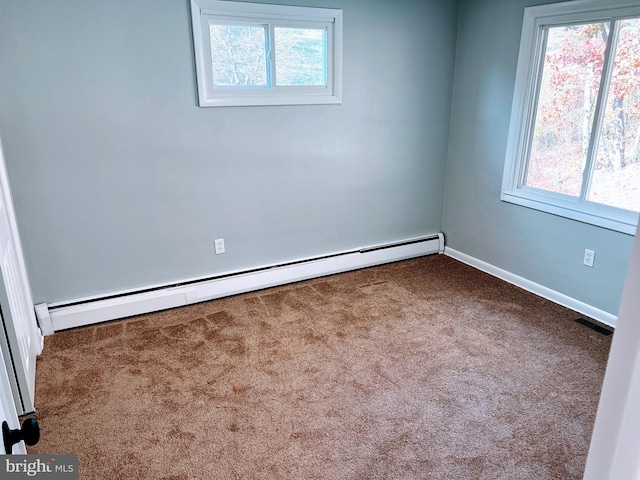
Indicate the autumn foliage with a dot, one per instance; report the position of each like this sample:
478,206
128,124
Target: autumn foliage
567,124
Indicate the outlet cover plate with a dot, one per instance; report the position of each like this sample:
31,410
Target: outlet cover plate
589,257
219,245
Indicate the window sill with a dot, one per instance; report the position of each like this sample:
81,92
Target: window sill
586,212
248,100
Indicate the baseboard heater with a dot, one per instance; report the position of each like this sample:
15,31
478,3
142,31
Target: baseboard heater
62,316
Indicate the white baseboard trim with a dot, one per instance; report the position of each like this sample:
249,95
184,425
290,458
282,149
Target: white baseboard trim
540,290
86,312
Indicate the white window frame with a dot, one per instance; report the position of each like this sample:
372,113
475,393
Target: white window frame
204,12
528,72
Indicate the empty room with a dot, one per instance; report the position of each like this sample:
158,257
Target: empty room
341,239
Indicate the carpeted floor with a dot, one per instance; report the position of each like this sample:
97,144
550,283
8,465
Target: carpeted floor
423,369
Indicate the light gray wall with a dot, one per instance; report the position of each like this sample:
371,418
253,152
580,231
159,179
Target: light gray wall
540,247
120,181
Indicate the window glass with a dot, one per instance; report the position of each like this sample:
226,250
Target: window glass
571,75
616,173
238,55
300,56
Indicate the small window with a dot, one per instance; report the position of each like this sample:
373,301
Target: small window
259,54
574,139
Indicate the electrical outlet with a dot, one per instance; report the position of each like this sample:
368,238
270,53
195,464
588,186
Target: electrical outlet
589,257
219,245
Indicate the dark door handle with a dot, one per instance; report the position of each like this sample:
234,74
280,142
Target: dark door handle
30,433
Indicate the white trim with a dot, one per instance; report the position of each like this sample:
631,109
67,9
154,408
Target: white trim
571,7
611,218
215,11
8,410
613,453
540,290
231,283
37,337
233,8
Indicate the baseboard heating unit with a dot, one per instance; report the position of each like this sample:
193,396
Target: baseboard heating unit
62,316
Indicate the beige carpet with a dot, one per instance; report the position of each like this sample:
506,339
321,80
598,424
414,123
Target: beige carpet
423,369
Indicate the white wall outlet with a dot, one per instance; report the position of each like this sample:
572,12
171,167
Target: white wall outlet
589,257
219,245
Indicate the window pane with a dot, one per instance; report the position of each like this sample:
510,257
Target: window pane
300,56
238,55
616,175
568,92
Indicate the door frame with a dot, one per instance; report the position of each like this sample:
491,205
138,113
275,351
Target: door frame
8,411
21,376
615,443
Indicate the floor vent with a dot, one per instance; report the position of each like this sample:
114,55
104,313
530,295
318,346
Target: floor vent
593,326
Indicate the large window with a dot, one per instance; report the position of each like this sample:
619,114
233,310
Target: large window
574,140
260,54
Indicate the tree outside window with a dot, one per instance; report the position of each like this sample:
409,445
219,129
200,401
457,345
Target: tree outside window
585,140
